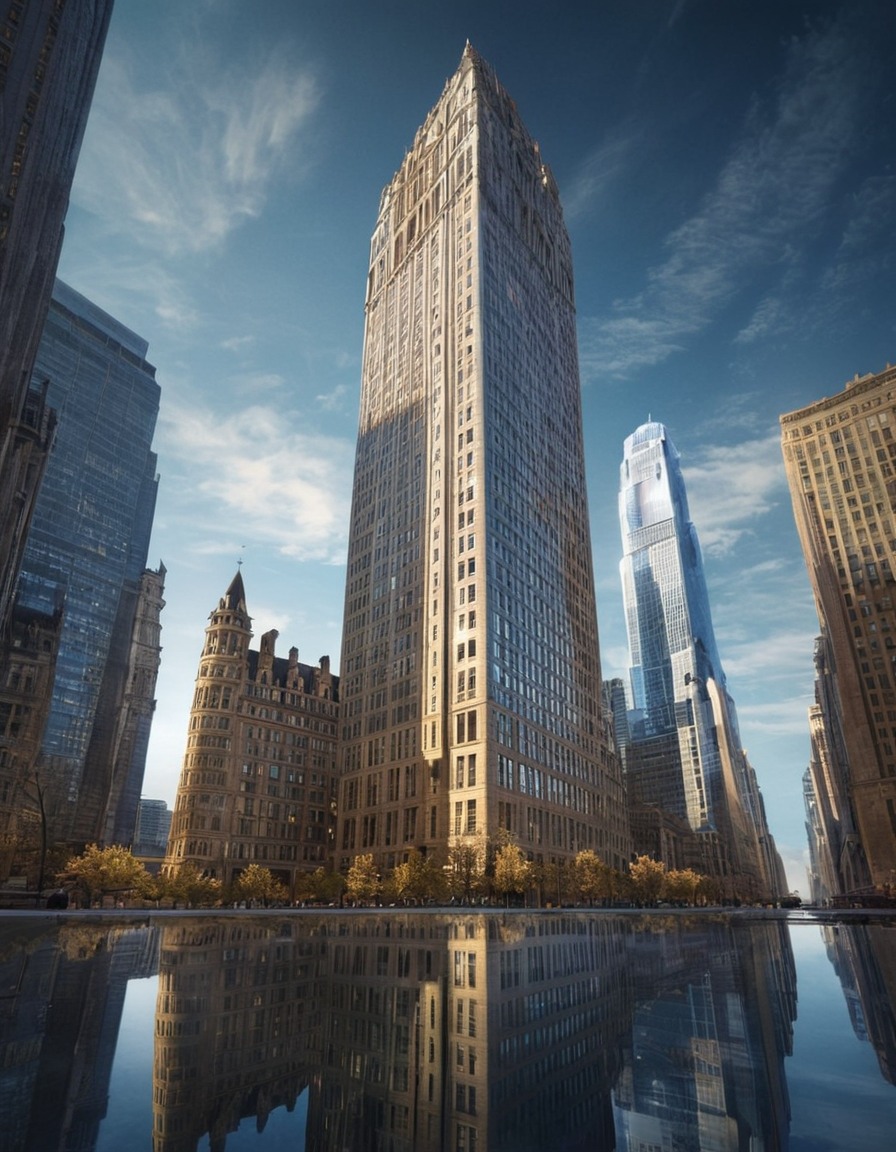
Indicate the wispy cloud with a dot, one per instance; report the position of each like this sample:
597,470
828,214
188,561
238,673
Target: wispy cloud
180,166
237,343
765,204
730,487
254,474
598,173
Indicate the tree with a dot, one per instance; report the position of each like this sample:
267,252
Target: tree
592,882
102,871
417,879
513,872
320,886
648,878
465,871
256,883
682,885
189,885
556,880
363,881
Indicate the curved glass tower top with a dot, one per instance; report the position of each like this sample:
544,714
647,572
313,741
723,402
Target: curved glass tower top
670,633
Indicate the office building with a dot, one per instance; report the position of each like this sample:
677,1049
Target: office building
685,755
471,682
258,784
49,58
840,456
86,553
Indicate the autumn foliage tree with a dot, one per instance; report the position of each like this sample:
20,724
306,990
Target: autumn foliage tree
189,885
647,878
513,872
105,871
257,884
362,884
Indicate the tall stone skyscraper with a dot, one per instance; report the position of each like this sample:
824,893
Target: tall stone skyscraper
49,58
470,669
840,458
685,756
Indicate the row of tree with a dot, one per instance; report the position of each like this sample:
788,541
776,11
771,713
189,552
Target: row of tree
100,874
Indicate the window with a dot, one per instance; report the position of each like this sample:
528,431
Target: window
471,817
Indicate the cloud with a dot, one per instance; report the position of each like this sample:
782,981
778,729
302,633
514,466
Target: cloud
765,206
235,343
254,475
332,401
598,173
730,487
180,167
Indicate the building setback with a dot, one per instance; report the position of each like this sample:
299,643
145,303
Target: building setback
685,755
471,683
259,774
840,459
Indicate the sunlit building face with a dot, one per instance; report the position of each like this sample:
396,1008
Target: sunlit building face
470,665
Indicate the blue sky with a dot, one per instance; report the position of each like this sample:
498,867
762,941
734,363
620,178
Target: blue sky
727,173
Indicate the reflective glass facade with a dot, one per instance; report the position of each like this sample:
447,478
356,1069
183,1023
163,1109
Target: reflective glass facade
677,683
93,517
470,667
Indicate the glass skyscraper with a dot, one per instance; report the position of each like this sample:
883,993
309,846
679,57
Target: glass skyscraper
90,533
49,59
683,721
470,673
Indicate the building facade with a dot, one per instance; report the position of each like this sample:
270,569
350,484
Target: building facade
470,667
685,755
258,783
49,58
87,544
840,457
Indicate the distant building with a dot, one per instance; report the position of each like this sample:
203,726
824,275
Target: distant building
49,58
840,459
86,552
470,665
684,755
258,783
153,825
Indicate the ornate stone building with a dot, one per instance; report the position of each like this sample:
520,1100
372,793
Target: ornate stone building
840,459
258,783
470,662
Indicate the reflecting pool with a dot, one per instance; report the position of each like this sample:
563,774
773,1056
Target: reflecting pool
470,1031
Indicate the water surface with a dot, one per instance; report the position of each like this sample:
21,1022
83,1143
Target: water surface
478,1031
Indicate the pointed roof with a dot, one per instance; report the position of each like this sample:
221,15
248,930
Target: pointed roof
235,596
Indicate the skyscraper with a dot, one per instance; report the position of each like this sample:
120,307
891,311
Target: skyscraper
685,755
470,668
86,549
49,58
840,459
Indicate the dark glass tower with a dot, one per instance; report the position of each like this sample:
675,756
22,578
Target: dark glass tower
471,681
49,58
87,547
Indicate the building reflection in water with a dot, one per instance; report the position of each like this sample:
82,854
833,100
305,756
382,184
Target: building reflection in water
704,1062
62,996
477,1032
864,959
